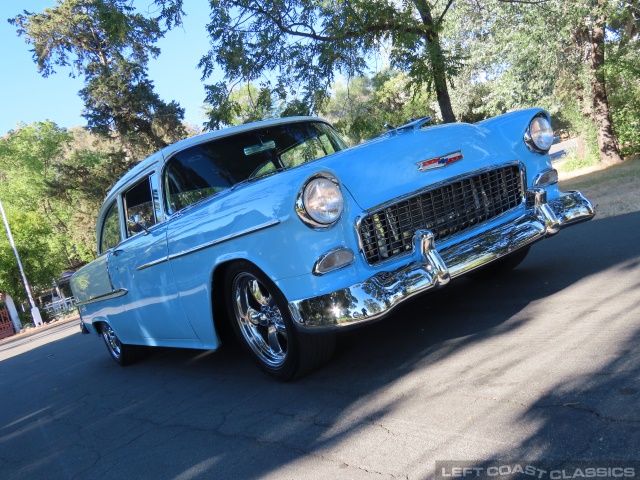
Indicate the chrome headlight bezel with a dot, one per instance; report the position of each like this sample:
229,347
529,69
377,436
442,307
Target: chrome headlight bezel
306,213
539,134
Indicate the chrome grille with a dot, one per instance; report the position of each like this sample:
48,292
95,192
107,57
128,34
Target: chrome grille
445,211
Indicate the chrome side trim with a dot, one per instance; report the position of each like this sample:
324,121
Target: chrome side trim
216,242
110,252
151,264
107,296
375,297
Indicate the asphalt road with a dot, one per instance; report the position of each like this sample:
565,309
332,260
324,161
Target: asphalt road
560,149
539,365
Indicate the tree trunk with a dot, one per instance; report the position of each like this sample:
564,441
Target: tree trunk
444,101
600,111
436,57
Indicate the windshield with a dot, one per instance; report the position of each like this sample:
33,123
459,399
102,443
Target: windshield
203,170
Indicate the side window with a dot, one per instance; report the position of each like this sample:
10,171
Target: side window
110,234
138,204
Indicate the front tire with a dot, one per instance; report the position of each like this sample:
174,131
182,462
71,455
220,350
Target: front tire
122,353
261,320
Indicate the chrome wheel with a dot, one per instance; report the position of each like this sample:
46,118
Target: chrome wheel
122,353
259,315
260,320
112,342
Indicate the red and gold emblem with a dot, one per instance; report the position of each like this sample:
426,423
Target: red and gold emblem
438,162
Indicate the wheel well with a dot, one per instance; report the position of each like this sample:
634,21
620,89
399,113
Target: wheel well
221,317
218,303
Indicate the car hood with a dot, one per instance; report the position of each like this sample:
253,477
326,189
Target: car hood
387,167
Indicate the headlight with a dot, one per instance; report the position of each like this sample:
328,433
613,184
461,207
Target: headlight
320,201
539,135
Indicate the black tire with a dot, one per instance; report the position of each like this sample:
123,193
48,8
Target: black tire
122,353
503,265
260,318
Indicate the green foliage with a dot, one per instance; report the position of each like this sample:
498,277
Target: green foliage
109,44
121,101
51,206
509,55
244,105
171,12
576,160
294,48
28,158
41,257
519,55
360,109
623,74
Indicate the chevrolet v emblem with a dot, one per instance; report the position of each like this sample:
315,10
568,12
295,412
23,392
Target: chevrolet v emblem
438,162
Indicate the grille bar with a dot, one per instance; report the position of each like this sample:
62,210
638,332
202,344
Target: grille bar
445,211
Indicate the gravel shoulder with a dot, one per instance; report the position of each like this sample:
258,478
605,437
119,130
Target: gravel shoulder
613,189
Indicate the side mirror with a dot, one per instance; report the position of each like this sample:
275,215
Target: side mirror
136,224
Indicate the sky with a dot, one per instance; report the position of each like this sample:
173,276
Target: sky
25,96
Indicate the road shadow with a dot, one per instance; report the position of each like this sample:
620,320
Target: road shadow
70,412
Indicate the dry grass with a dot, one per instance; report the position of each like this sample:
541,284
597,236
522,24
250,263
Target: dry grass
614,190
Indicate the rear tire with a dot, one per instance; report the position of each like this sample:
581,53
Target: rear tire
262,323
122,353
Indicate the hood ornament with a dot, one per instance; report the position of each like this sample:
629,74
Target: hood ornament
438,162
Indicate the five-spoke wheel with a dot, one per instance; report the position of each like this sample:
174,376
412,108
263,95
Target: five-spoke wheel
121,353
261,320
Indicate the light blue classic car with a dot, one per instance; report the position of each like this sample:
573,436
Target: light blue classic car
280,231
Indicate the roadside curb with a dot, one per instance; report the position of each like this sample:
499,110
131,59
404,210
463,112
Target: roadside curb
28,332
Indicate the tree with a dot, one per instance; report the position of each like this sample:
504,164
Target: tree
586,46
509,58
109,44
44,177
362,107
246,104
304,43
623,82
27,157
553,55
41,261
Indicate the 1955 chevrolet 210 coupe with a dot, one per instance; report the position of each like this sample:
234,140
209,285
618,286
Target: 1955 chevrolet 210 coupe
282,230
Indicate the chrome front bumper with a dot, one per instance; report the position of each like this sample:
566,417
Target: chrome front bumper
375,297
